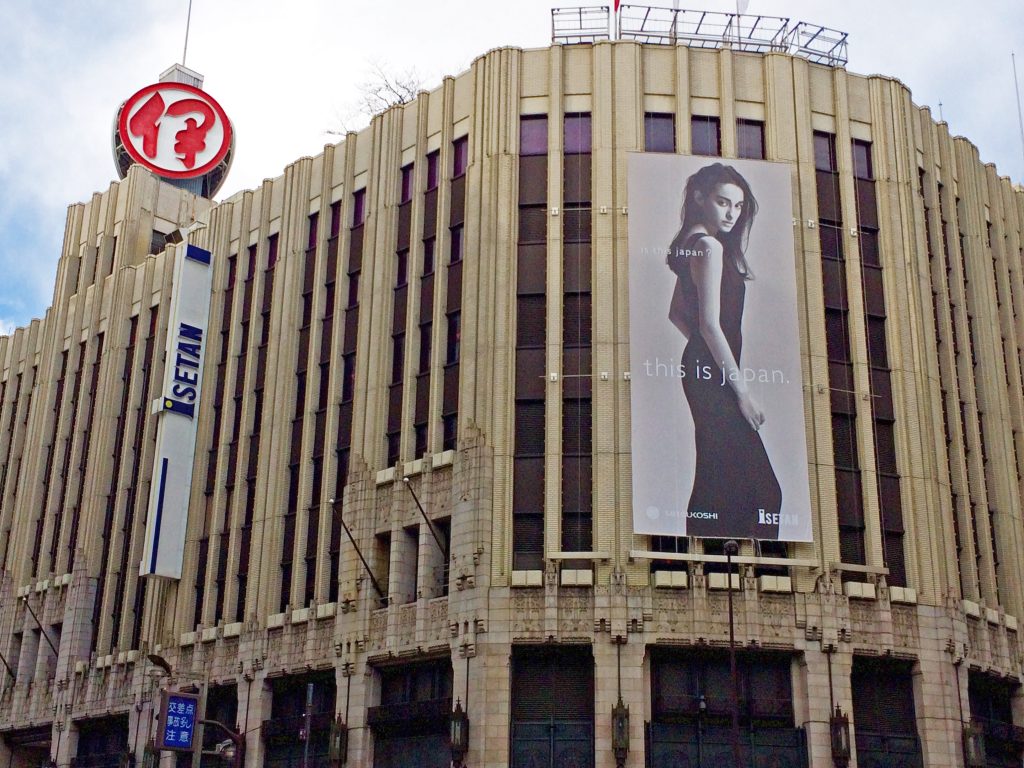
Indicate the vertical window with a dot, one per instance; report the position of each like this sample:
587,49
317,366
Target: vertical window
425,331
659,132
428,257
533,135
861,160
405,194
460,156
456,246
358,207
825,152
402,268
577,134
750,139
348,377
454,338
433,165
398,358
706,135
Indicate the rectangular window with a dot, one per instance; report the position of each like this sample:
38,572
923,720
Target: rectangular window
433,166
460,156
353,290
449,431
272,251
402,268
397,358
750,139
348,377
862,160
706,135
425,333
358,207
456,246
335,219
533,135
405,194
428,257
659,132
577,134
825,152
454,338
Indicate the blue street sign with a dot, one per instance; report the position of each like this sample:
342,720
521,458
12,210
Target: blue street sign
177,723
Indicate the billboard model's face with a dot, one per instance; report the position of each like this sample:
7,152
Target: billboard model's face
722,208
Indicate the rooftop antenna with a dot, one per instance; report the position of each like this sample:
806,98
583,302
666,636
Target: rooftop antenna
1016,90
941,118
188,23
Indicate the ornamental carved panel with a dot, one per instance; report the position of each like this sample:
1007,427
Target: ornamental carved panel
407,625
904,626
378,628
672,613
527,612
437,627
575,612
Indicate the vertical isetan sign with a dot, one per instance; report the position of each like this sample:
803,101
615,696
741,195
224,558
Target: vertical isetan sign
718,441
178,406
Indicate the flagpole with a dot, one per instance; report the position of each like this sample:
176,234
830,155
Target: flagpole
1020,119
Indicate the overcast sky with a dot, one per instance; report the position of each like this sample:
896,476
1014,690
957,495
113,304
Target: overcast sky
287,73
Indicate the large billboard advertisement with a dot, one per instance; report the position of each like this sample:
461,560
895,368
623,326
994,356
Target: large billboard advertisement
718,441
178,406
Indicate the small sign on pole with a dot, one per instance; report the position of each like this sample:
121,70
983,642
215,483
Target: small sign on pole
177,722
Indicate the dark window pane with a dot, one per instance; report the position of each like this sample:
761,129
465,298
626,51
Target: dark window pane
433,161
825,152
706,136
456,246
577,134
428,256
425,340
460,156
531,320
454,338
358,207
844,441
529,429
862,160
576,320
750,139
405,194
533,135
659,132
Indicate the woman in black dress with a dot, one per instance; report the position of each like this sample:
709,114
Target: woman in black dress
735,491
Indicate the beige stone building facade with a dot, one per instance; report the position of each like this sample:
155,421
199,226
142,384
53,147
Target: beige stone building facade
429,321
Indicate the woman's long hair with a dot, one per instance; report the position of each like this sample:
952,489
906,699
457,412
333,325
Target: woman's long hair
734,242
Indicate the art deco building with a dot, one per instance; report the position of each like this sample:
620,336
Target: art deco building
430,322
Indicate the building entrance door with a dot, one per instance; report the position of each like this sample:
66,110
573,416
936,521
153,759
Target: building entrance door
552,744
552,707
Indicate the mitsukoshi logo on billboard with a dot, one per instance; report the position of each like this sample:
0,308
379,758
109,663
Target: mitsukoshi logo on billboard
718,441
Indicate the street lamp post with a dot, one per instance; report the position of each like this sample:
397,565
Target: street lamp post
731,549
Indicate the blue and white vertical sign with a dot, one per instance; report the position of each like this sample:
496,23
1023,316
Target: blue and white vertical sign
178,407
176,722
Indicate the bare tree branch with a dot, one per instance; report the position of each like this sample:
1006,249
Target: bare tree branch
379,91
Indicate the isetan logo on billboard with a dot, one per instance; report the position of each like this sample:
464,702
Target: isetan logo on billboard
175,130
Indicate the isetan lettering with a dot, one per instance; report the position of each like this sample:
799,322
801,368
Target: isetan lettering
187,360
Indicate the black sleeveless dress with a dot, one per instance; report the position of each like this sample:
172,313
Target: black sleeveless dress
735,491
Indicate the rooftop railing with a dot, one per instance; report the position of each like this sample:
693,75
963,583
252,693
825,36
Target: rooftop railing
654,25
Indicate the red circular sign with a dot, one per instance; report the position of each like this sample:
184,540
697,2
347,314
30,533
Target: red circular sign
175,130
